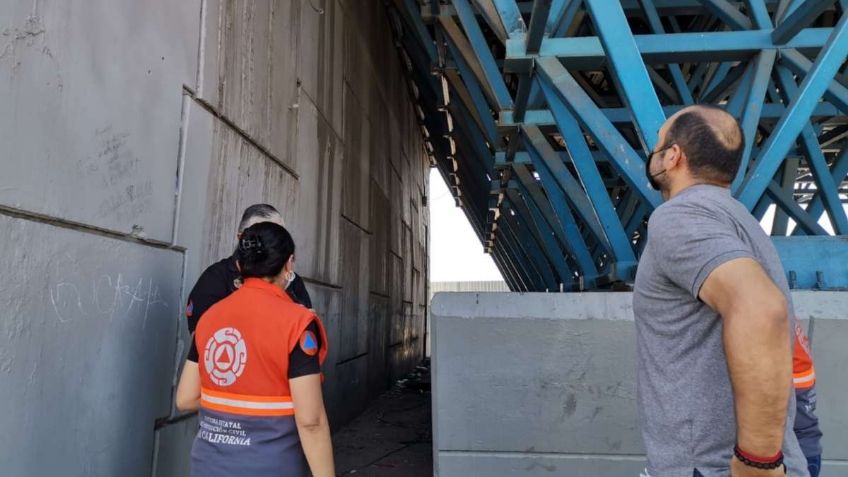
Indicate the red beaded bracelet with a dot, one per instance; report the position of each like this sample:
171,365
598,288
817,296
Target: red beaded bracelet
752,460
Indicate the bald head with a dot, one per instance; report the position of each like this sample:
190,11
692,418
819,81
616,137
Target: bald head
710,138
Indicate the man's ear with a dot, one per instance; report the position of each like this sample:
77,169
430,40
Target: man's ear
676,158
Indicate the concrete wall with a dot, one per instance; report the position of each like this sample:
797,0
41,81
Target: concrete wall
556,394
133,134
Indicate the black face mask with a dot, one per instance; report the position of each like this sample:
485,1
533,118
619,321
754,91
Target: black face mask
652,178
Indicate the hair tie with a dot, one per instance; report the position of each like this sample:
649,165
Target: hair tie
251,245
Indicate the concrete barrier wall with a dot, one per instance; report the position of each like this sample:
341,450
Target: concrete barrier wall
133,135
545,384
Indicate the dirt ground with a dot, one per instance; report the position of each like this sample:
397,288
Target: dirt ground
393,437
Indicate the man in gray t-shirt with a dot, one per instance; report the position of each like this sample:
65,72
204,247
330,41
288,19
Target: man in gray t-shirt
712,306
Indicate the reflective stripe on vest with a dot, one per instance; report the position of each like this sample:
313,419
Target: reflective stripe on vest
245,404
805,379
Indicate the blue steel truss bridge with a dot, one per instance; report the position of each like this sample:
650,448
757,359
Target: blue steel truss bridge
539,115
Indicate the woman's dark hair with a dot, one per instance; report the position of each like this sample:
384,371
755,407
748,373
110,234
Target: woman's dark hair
264,249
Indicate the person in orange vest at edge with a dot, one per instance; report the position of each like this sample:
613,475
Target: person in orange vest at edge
806,422
257,385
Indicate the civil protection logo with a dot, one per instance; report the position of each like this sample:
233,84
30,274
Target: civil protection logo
225,356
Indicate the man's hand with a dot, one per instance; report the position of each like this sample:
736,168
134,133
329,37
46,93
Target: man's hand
738,469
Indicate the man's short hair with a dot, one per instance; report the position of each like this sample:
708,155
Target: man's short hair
257,211
714,150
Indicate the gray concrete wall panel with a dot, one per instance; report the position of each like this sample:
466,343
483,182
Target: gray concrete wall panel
139,135
316,219
320,61
357,160
173,448
86,350
354,323
92,110
255,45
557,395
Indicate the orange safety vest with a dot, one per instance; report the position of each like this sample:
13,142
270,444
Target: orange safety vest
246,416
803,371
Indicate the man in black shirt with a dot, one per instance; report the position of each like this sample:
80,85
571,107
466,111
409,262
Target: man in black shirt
223,278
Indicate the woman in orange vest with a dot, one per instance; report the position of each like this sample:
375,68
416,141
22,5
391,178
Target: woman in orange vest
257,384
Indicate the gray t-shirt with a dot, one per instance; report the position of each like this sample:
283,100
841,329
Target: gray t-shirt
685,397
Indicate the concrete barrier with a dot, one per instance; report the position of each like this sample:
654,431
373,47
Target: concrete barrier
545,384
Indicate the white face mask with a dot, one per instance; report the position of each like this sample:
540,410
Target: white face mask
290,276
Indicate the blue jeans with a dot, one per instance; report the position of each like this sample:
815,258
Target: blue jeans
814,465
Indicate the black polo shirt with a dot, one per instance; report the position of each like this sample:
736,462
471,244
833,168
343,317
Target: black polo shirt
216,283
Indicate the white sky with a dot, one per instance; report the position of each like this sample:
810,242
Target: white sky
456,254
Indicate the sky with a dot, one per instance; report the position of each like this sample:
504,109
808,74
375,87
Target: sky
456,255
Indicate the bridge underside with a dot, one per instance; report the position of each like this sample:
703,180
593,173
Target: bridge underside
539,114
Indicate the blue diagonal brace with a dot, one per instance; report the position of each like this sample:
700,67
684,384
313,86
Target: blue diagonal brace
475,91
562,223
540,229
559,183
797,115
785,201
565,94
676,73
521,224
522,256
799,19
484,54
510,17
836,93
589,175
631,75
838,171
412,13
759,13
728,13
818,164
538,20
763,65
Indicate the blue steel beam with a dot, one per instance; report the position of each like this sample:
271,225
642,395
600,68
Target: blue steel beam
525,236
595,188
532,278
483,53
762,67
558,180
631,77
785,201
462,49
565,96
786,181
759,14
836,93
475,91
726,76
674,69
799,19
782,138
540,229
588,52
729,14
510,16
543,118
838,172
562,223
817,163
502,262
559,27
538,21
